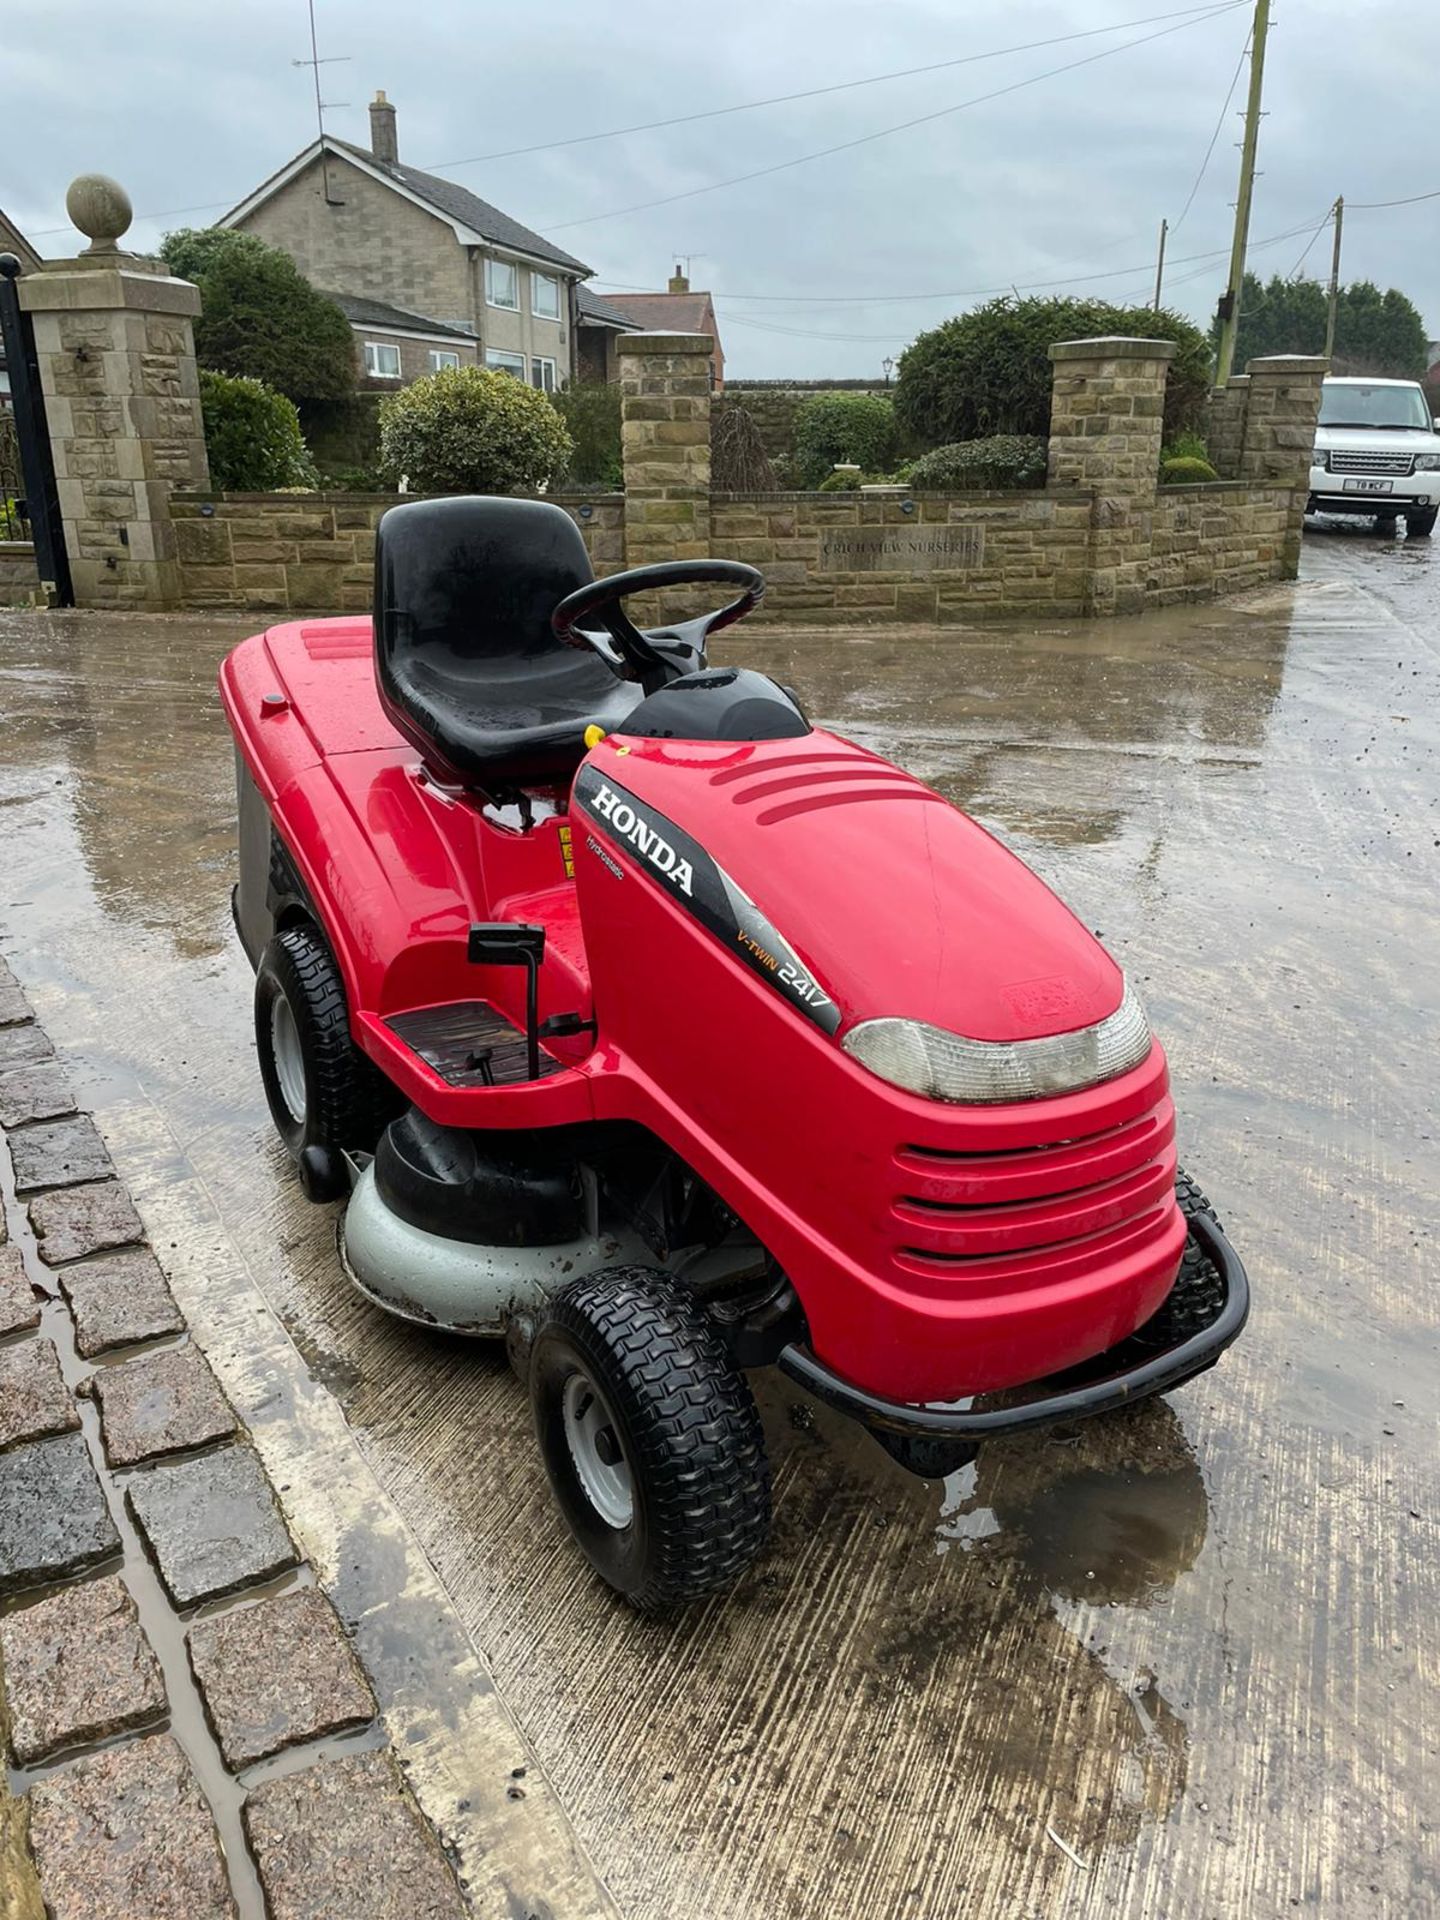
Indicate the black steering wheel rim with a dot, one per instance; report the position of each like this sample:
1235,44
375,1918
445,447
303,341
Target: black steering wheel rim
635,658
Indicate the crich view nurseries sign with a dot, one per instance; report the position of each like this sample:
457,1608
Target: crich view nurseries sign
899,549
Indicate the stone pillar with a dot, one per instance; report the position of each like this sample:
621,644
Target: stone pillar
1225,425
1106,423
1279,437
665,436
116,350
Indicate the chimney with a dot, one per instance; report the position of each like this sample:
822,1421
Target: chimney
678,281
383,144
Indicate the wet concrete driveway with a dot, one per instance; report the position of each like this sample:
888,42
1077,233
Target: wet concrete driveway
1181,1662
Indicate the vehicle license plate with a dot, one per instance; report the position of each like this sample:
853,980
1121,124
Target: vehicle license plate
1368,485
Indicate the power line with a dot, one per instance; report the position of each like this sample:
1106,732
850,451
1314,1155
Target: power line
1329,216
838,86
976,293
883,133
1229,96
1369,206
1187,15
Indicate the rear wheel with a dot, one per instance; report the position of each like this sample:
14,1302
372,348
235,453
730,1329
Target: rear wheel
650,1437
324,1095
1421,524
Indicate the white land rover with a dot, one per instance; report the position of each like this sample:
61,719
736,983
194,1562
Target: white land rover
1377,451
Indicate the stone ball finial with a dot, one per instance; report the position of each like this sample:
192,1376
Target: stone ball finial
100,208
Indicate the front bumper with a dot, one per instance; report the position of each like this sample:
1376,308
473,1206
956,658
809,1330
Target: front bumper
1132,1371
1329,493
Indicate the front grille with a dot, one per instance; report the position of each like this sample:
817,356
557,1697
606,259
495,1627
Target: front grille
1399,464
1019,1216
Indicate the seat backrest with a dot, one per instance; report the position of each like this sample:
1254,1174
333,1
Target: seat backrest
467,584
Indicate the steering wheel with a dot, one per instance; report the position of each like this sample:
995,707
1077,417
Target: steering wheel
663,654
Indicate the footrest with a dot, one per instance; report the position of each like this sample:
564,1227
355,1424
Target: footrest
469,1043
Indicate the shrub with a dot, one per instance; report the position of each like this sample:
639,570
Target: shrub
835,427
988,371
252,436
349,479
591,412
1185,446
1185,472
738,460
260,316
467,430
1003,460
841,483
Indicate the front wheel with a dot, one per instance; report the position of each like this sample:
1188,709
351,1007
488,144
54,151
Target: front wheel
650,1437
1421,523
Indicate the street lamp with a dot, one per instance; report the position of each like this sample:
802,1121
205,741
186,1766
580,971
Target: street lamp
888,365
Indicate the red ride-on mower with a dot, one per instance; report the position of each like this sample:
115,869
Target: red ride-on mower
665,1035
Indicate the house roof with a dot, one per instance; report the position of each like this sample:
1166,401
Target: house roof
595,312
460,204
12,240
667,312
472,218
361,311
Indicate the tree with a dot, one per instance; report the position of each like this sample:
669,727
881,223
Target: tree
831,428
591,412
467,430
252,436
988,371
260,317
1376,333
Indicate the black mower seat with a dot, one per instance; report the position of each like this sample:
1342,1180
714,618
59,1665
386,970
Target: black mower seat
467,666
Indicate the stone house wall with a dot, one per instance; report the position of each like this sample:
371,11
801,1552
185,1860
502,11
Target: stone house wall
315,552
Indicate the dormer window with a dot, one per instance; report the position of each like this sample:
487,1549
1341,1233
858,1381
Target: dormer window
502,284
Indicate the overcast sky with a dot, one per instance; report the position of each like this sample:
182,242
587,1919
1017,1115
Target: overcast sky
186,103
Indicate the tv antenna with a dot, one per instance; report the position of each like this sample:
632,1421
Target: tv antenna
315,63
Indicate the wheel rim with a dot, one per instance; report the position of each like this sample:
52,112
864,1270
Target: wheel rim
289,1060
600,1463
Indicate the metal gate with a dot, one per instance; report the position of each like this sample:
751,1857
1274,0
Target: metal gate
29,499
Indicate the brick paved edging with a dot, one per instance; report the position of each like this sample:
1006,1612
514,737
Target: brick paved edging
170,1762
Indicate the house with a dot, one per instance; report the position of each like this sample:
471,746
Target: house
677,310
12,240
598,325
423,268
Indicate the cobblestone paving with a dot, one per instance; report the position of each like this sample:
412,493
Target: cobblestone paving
127,1491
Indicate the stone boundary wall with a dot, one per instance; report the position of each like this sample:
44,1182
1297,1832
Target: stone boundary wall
1012,552
315,552
773,404
1214,539
19,582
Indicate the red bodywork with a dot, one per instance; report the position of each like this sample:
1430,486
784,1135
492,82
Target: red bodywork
938,1250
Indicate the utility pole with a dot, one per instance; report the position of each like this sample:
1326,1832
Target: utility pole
1334,299
1160,263
1230,304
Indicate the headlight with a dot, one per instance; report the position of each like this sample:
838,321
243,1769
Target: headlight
1427,463
946,1066
1320,459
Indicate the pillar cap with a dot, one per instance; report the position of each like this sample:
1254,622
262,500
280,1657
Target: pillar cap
1289,363
665,343
1117,346
100,208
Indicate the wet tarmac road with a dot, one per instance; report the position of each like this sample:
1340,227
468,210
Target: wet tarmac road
1197,1644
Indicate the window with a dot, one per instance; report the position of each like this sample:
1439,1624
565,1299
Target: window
440,359
502,284
544,296
506,363
542,375
382,361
